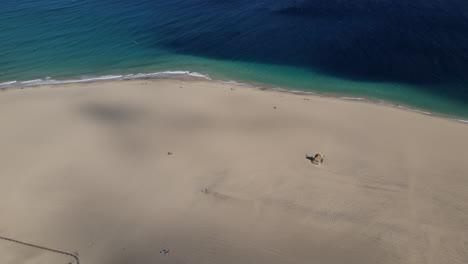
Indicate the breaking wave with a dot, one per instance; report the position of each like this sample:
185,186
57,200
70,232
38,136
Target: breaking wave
50,81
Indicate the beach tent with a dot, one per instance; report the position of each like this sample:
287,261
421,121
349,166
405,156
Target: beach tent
317,159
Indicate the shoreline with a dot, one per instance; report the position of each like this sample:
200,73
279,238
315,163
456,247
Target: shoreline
195,76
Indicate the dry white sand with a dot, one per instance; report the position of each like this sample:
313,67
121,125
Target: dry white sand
85,168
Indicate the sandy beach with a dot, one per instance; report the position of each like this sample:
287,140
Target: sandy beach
216,173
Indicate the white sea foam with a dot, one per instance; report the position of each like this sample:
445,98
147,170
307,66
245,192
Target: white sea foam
49,81
196,74
294,91
7,83
165,74
105,78
414,110
422,112
352,98
240,84
31,81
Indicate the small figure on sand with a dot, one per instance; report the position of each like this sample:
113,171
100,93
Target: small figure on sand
317,159
164,251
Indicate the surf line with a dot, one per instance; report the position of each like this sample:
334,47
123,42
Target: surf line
73,255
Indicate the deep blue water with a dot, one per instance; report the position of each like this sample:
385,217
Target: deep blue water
411,52
416,41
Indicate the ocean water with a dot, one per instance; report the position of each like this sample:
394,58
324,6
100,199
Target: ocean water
414,53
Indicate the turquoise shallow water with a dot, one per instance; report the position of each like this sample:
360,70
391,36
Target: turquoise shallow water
69,40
